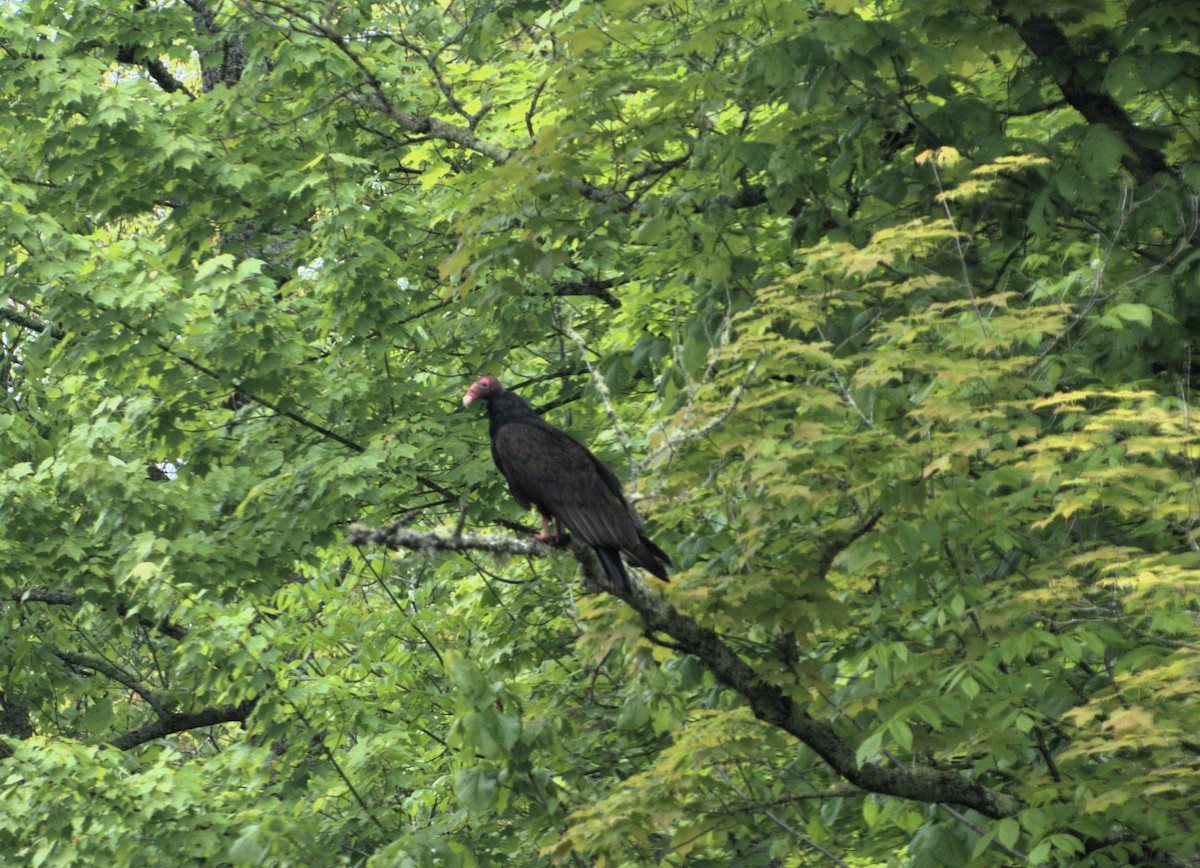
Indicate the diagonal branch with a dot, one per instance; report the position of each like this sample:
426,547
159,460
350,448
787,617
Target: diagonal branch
837,546
26,321
1079,86
138,55
166,722
376,97
113,672
261,401
37,325
422,125
768,702
13,315
157,69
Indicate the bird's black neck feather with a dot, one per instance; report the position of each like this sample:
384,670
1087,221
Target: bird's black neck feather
507,407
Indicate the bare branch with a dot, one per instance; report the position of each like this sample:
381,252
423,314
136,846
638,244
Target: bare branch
602,391
684,436
781,823
54,597
532,110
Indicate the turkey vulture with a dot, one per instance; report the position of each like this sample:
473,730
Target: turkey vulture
550,469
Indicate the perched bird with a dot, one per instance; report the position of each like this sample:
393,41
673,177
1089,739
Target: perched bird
550,469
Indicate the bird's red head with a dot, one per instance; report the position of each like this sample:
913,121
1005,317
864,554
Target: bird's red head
487,387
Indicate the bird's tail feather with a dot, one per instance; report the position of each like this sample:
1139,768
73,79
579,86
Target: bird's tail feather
650,557
610,559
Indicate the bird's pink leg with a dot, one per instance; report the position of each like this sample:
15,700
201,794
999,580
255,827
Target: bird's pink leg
545,536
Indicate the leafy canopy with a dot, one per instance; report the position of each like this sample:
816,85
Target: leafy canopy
884,310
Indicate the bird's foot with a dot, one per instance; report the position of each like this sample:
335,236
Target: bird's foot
556,540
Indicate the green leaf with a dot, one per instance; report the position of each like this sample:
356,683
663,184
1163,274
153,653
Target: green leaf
16,471
1160,68
1131,312
470,683
1008,831
477,787
220,262
1101,152
902,732
938,845
868,748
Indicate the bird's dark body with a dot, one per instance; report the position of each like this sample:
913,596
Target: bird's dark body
547,468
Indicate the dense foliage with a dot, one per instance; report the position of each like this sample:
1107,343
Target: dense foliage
885,311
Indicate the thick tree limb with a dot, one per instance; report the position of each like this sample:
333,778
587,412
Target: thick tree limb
166,723
14,721
768,702
53,596
25,320
771,705
157,69
400,537
173,723
138,55
1079,85
590,286
233,53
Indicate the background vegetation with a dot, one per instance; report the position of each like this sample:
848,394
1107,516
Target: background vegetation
885,311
